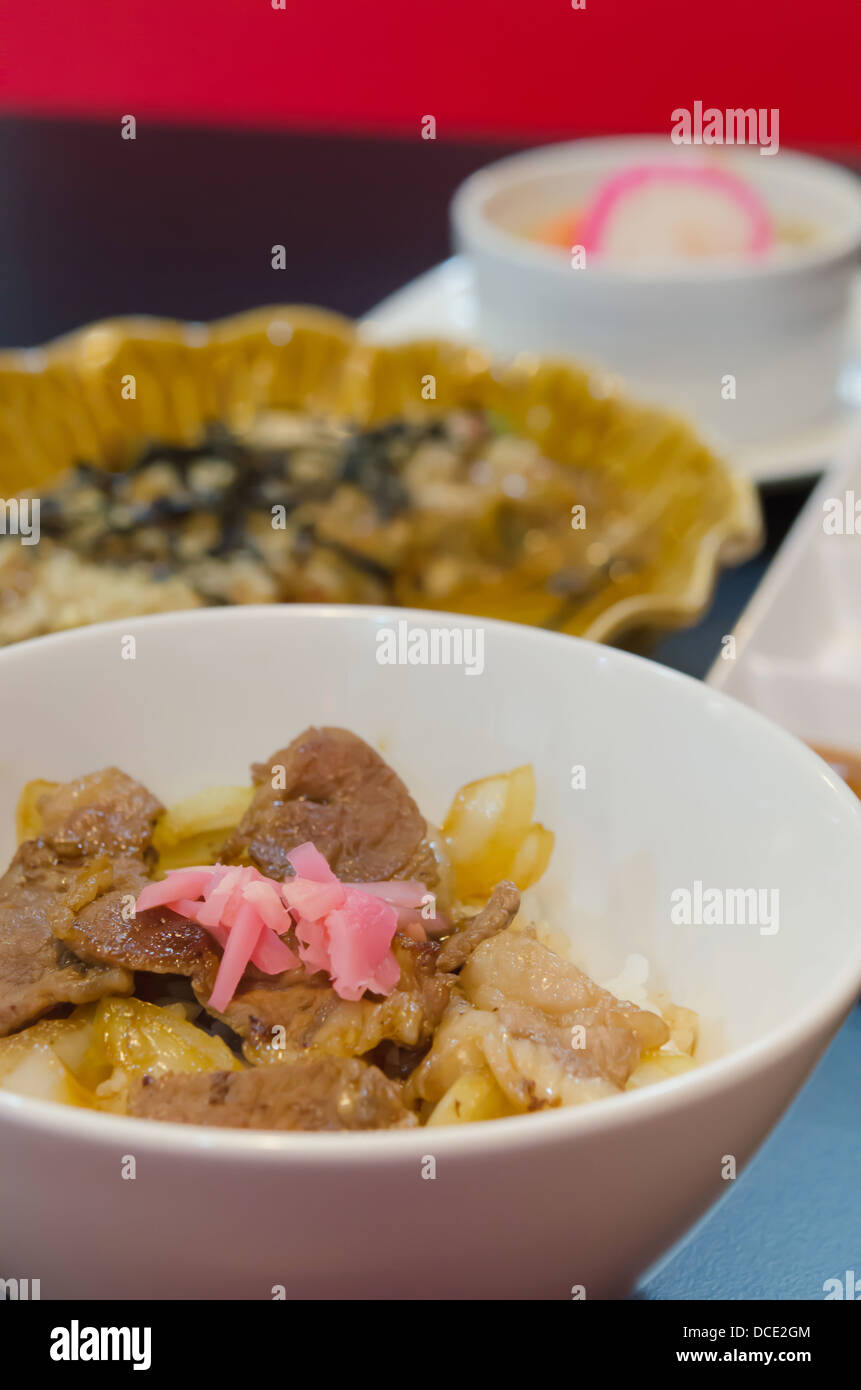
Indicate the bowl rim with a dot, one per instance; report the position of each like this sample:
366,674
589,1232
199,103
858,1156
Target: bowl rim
821,1014
477,232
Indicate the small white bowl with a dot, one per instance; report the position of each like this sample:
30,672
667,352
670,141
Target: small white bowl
681,784
778,326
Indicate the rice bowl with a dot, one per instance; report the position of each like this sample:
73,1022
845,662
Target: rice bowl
585,1212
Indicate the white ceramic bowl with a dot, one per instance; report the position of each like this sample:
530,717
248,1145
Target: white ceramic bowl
778,327
681,784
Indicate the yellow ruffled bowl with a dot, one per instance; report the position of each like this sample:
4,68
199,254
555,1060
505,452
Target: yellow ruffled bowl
100,393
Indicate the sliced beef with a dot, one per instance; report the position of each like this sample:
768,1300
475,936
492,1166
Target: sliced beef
94,841
516,968
319,1094
547,1033
339,793
610,1052
158,941
531,1060
281,1017
37,971
110,815
499,913
103,811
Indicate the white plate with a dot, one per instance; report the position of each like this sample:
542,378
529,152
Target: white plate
440,302
798,643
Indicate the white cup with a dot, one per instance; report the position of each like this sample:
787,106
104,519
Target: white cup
777,326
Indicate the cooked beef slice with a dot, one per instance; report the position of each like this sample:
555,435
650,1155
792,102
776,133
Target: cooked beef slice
548,1034
281,1017
609,1051
105,810
158,940
94,839
500,912
322,1094
37,971
516,968
531,1061
340,794
112,814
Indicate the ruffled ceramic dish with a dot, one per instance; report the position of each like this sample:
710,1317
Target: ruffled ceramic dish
104,394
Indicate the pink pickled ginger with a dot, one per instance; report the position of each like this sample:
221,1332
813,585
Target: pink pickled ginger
344,929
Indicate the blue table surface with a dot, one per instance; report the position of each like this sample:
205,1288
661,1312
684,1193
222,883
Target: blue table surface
792,1220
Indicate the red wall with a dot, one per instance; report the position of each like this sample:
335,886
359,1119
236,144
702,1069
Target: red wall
516,67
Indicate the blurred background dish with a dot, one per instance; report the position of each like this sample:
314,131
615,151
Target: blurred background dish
666,301
442,301
276,457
